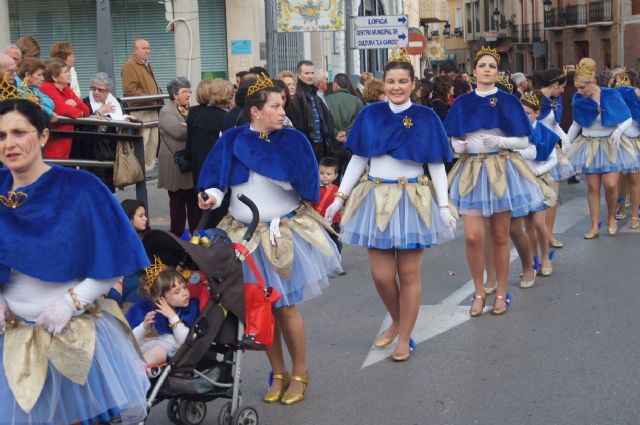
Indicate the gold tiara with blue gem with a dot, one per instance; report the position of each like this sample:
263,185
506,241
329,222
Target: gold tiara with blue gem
399,54
531,98
262,82
488,51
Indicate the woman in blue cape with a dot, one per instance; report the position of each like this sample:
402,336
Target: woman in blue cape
600,151
490,181
68,353
631,96
391,210
275,167
552,83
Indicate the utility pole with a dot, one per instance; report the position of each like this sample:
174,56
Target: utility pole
348,47
105,46
271,35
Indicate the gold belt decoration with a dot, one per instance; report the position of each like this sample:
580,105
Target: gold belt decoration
28,349
306,222
547,185
496,168
387,197
594,143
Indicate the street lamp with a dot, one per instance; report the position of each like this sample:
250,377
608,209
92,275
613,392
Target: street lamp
547,5
447,29
496,17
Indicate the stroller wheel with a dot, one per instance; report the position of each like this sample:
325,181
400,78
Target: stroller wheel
192,412
224,415
173,411
245,416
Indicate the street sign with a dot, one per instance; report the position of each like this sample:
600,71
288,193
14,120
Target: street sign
380,21
491,35
380,32
417,43
381,38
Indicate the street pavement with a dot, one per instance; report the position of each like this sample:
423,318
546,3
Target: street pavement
566,353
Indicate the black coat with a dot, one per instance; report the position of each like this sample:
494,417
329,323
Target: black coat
204,125
301,115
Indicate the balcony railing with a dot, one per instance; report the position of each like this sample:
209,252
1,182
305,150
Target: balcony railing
600,11
575,15
515,33
526,34
537,33
553,18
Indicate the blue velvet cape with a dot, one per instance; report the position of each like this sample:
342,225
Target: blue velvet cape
378,131
632,101
613,110
287,156
188,315
545,141
70,227
546,108
471,112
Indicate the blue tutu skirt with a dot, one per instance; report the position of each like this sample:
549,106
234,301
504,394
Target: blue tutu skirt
116,386
601,164
562,171
520,197
310,273
406,230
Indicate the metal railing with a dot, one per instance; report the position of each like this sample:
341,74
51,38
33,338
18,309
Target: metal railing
134,136
515,34
575,15
536,31
600,11
129,102
553,18
526,33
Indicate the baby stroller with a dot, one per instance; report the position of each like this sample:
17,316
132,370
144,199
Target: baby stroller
208,365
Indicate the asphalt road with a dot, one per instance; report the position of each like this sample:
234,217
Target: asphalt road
567,352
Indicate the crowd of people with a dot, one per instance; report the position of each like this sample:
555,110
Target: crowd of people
388,165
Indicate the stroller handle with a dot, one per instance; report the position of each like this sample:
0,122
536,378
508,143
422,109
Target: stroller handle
255,216
204,219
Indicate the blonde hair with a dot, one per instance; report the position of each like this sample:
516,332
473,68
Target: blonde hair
29,46
285,74
216,92
366,76
372,91
585,70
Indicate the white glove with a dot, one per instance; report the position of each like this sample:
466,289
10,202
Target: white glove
529,153
448,218
3,312
459,146
56,316
566,145
616,136
491,140
274,230
333,209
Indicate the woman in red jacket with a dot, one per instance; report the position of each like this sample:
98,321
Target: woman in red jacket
67,104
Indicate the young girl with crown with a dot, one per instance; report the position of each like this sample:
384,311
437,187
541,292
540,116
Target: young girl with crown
276,168
631,96
600,152
490,181
68,356
391,210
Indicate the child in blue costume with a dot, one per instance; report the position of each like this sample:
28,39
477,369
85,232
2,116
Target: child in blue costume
391,211
631,96
552,83
162,320
600,151
275,167
541,158
490,181
65,241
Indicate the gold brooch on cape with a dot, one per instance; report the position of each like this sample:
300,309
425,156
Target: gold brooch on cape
493,101
13,199
408,122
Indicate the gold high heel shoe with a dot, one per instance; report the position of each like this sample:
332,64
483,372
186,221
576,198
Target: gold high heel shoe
271,396
556,243
613,230
382,341
475,312
500,311
489,290
289,399
635,223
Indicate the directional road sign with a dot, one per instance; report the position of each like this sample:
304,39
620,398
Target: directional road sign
380,32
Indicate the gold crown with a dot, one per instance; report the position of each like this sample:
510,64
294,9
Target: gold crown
488,51
262,82
623,79
531,98
9,91
504,80
399,54
153,271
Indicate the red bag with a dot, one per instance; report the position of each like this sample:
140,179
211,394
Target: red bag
258,304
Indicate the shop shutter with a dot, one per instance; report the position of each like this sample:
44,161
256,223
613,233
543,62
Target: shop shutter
213,38
133,19
65,20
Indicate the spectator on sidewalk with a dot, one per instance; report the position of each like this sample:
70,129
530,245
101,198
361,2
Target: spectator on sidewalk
138,80
309,113
15,53
289,79
8,70
32,74
321,81
29,47
373,91
65,52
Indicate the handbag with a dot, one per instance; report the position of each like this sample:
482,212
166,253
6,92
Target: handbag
126,168
181,157
258,305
